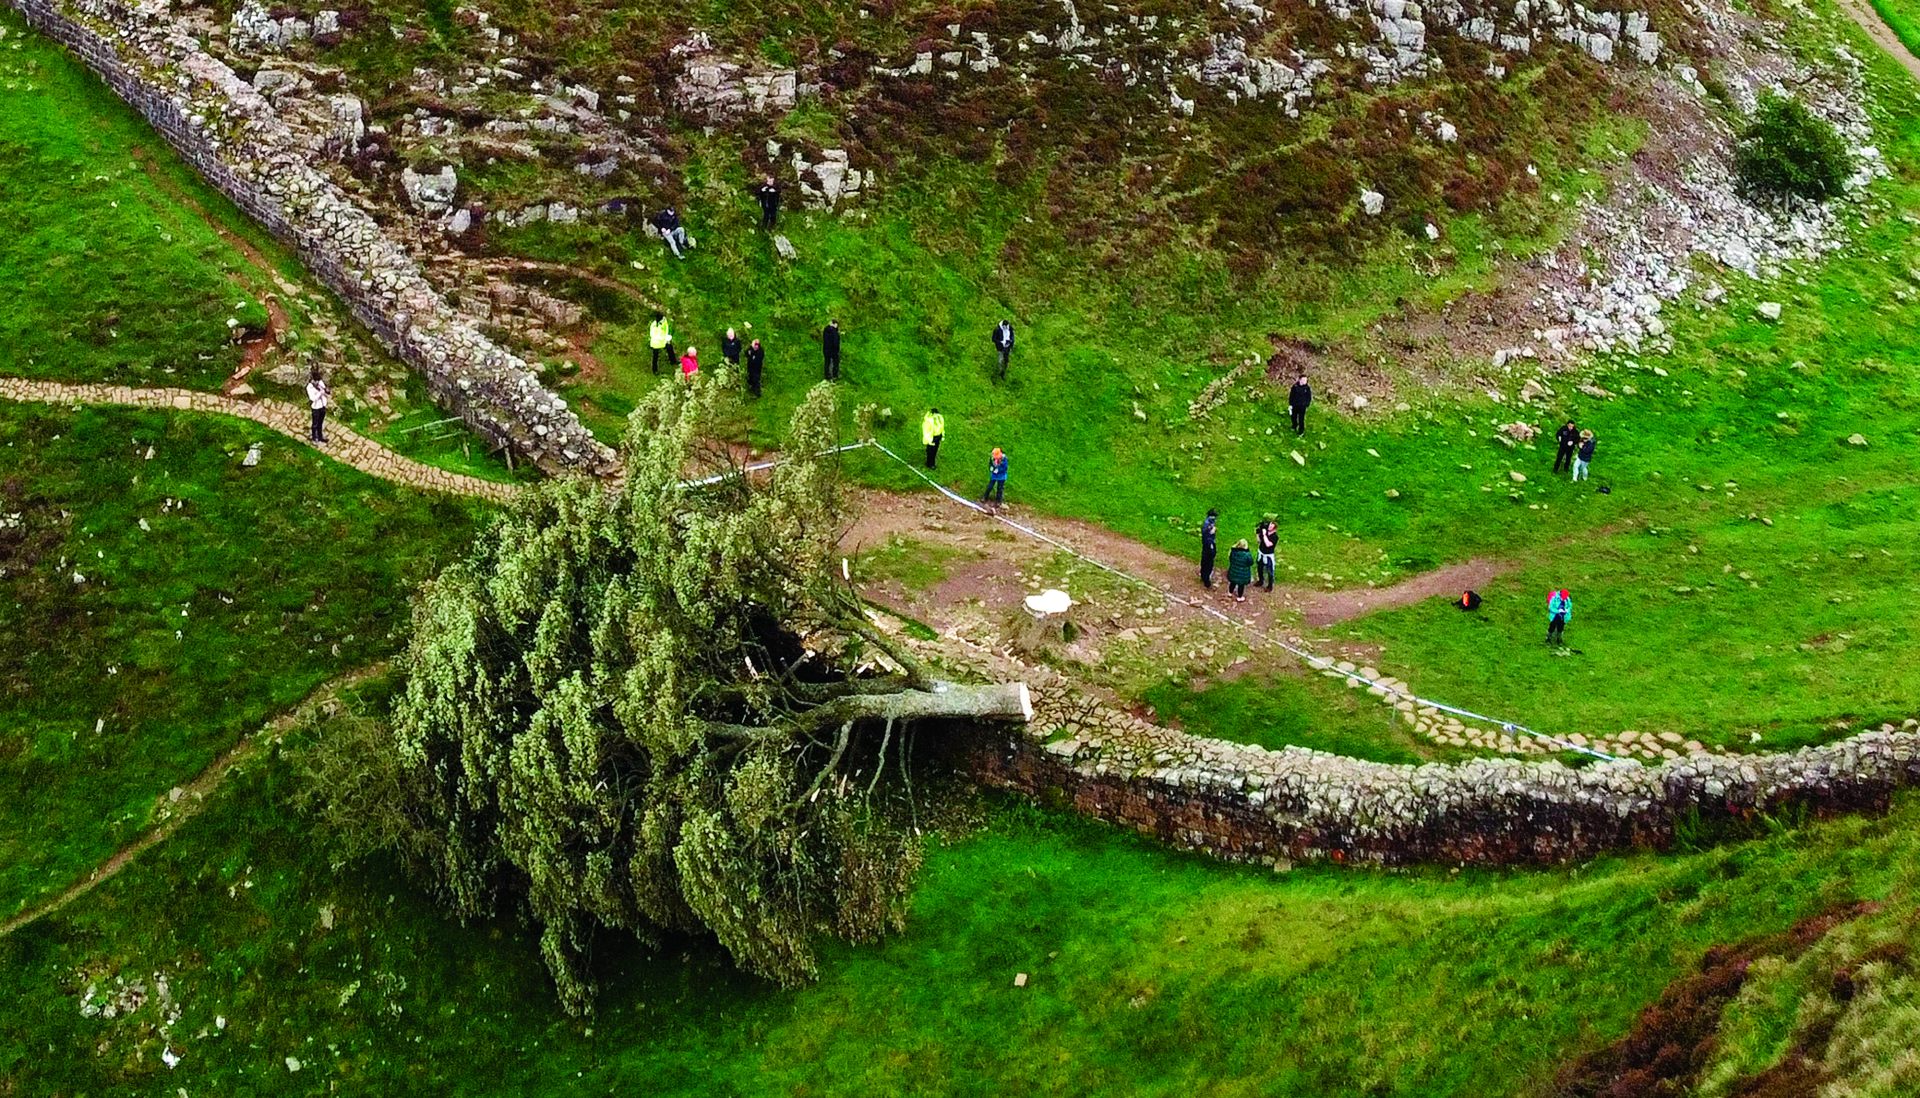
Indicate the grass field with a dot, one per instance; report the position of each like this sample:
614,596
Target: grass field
163,600
1148,972
210,596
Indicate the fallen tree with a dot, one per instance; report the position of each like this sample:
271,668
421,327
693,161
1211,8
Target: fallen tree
658,708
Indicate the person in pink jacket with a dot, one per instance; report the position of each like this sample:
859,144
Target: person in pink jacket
690,363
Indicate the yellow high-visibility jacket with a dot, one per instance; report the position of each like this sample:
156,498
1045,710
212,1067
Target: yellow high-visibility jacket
659,333
932,427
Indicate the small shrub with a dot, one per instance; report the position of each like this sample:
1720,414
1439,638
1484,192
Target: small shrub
1789,150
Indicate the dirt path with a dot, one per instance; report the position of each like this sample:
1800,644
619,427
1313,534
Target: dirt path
1862,13
986,561
184,803
343,445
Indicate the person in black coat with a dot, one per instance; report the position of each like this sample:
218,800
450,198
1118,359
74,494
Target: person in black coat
1209,545
667,221
1298,398
1568,437
830,350
1003,342
730,347
768,194
756,360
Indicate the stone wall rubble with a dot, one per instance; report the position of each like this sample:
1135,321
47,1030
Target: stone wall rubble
268,163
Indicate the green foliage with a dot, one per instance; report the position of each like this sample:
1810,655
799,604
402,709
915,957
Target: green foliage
1788,151
625,711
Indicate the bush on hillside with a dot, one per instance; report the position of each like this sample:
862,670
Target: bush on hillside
1787,150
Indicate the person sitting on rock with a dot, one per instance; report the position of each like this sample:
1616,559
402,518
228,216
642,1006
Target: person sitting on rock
667,221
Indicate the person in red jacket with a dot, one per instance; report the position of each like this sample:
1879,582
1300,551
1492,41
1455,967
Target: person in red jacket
690,363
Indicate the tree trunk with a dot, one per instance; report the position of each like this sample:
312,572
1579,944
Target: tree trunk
952,700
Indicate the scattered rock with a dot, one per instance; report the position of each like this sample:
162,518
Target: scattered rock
1769,309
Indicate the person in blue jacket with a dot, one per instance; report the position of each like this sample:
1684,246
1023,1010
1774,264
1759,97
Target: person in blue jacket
996,478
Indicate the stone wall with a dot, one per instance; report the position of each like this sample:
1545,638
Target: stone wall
1246,803
1249,804
234,138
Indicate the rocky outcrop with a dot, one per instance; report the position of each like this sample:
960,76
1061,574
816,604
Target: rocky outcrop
268,163
713,87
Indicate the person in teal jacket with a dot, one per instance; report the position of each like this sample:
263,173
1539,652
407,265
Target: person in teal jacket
1239,570
1559,609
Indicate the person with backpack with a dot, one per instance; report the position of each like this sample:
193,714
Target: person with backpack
660,338
667,221
1559,612
996,478
933,428
1298,399
1584,456
1568,437
1003,342
1266,537
1239,570
756,361
730,347
319,397
768,195
1209,542
830,350
690,363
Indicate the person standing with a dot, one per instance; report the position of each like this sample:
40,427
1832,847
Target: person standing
1239,570
1003,342
830,350
756,361
1209,541
933,429
1584,456
1298,399
671,231
768,194
319,397
1568,437
690,363
660,338
1266,537
996,478
1559,611
730,347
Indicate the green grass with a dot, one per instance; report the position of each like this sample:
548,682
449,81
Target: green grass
1903,18
1148,972
84,218
1286,710
1766,406
161,606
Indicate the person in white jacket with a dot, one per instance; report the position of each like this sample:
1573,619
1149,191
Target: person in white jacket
318,398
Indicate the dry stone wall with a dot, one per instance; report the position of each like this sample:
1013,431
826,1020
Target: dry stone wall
235,138
1246,803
